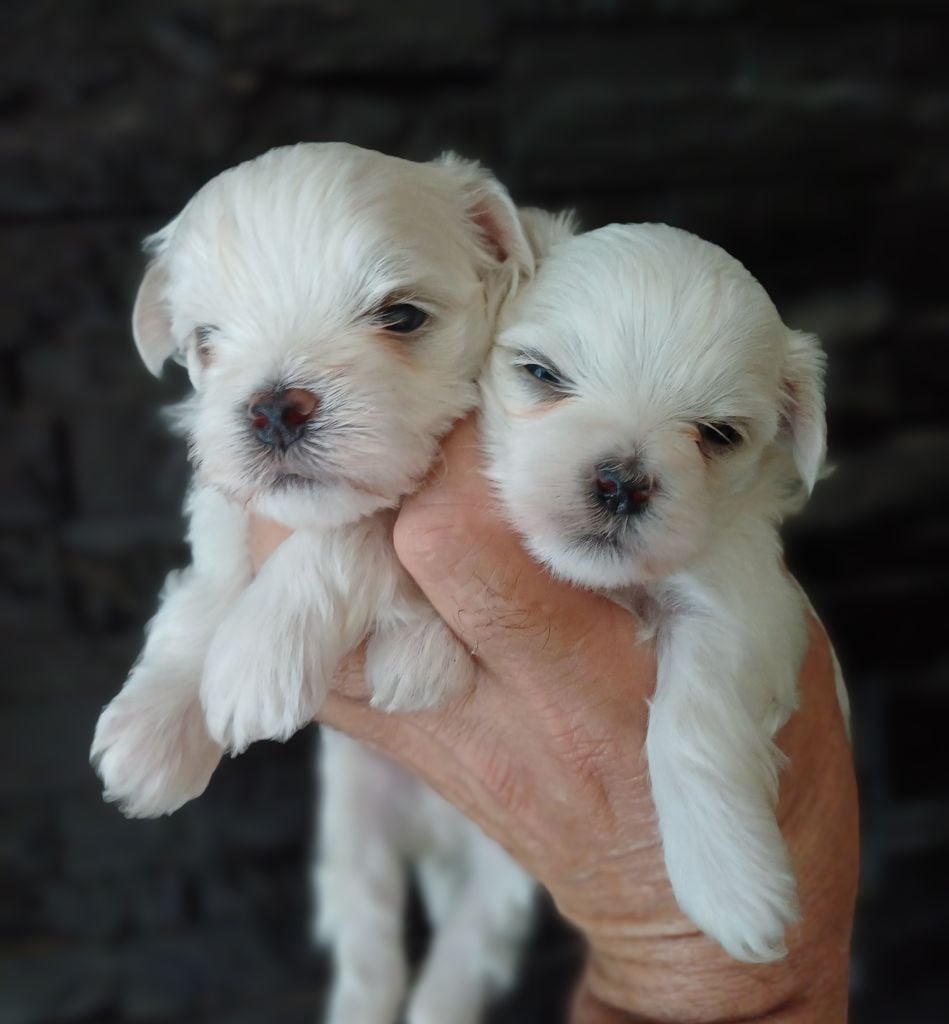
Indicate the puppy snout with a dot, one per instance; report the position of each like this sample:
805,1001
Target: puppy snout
279,418
622,488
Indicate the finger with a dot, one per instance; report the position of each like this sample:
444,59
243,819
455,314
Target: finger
265,537
818,716
349,680
395,733
448,749
472,567
417,741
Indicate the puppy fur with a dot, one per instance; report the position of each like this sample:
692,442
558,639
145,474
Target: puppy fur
648,420
333,307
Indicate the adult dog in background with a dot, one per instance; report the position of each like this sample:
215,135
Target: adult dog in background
333,307
648,421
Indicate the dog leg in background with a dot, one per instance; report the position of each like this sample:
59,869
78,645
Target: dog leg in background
481,906
151,746
360,882
413,659
726,682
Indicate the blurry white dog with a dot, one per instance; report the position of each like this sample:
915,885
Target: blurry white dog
334,308
648,420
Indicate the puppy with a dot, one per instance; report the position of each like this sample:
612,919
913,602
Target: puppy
333,307
648,420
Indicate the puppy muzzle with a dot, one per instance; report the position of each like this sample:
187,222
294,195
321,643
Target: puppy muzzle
621,489
279,418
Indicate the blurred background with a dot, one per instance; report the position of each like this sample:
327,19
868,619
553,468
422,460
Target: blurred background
811,139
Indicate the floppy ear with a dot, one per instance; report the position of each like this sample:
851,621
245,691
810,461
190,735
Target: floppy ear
151,320
494,217
802,415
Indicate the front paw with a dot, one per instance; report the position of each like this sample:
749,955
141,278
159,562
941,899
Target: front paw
738,888
417,667
151,747
257,685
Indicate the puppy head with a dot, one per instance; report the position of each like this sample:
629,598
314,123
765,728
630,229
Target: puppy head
642,396
333,307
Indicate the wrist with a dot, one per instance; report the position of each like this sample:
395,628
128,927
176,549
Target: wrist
589,1009
686,979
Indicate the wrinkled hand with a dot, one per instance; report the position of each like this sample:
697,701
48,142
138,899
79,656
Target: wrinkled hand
546,754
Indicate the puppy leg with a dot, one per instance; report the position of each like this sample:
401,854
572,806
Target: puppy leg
714,774
481,907
151,746
360,883
413,660
272,659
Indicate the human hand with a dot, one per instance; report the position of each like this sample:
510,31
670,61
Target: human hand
546,754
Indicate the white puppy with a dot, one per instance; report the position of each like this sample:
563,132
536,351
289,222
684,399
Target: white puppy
334,307
648,420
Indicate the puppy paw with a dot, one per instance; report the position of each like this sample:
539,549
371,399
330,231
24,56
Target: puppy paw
258,683
417,667
739,890
151,747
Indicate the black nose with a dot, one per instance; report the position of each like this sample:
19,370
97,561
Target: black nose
622,488
280,417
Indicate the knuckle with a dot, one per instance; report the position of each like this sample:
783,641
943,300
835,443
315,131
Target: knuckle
429,535
507,784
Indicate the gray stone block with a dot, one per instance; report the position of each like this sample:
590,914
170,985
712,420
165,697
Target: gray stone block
113,570
127,465
98,843
649,107
49,745
127,85
56,986
184,974
47,664
874,486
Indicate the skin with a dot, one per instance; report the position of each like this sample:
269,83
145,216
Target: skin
546,754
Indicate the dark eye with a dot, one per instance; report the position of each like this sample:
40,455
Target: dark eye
541,373
401,318
204,348
720,435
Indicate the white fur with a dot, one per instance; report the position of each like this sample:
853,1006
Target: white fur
478,899
654,331
272,277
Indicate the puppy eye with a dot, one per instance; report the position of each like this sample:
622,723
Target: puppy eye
720,435
541,373
400,318
204,348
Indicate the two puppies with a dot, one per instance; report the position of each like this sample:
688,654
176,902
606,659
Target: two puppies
648,419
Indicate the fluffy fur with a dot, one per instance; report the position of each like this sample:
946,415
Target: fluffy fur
333,307
644,350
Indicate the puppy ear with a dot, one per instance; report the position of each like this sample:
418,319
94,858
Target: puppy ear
494,217
545,229
151,320
802,414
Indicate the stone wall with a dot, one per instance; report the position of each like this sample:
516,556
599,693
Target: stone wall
811,139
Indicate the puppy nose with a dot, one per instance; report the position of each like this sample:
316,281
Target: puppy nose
279,417
622,488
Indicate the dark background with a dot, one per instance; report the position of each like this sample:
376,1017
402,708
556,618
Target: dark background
810,139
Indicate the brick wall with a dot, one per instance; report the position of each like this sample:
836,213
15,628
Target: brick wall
811,139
